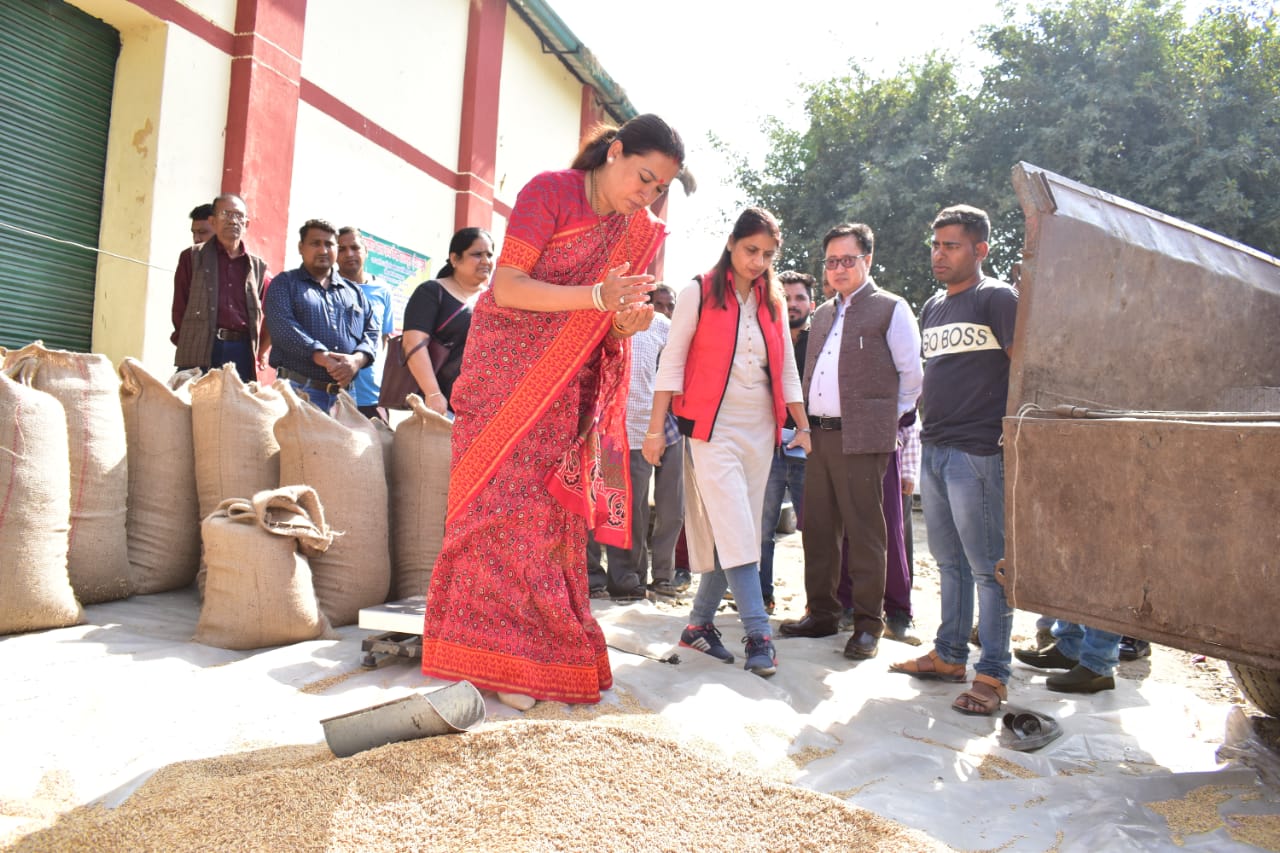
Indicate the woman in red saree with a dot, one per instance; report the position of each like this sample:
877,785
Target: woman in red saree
539,442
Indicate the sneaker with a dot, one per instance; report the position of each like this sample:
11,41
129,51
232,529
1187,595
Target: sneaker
705,638
762,658
1132,648
682,580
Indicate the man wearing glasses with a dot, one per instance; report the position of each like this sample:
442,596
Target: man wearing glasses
862,376
217,296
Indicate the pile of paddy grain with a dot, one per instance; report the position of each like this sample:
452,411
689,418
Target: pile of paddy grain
518,785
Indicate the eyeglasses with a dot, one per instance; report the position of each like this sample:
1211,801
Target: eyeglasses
233,216
846,261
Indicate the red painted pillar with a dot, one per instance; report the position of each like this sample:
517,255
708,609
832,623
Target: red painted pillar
262,119
478,138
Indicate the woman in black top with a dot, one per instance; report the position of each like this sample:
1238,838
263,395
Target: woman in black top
440,309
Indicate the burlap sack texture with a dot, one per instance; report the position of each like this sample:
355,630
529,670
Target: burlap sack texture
233,433
343,463
35,512
258,587
164,508
86,386
419,495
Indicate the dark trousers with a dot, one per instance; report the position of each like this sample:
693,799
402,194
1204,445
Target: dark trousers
844,495
898,573
239,353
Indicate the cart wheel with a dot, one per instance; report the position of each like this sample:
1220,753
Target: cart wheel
369,661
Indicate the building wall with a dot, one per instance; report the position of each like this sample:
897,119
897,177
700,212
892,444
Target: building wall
539,116
378,141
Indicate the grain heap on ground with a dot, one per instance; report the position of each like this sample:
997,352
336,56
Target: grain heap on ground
515,785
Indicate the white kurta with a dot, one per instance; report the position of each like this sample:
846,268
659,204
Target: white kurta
725,477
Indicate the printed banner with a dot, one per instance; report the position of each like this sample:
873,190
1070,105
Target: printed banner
399,268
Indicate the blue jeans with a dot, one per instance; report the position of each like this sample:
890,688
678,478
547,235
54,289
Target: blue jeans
785,475
963,496
1096,649
323,399
745,583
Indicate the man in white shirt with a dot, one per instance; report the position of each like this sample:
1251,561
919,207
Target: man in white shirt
862,372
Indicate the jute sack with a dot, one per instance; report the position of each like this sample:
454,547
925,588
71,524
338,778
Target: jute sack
233,433
343,463
35,512
164,509
419,494
86,386
258,590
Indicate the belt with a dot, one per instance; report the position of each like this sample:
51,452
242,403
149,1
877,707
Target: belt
231,335
294,376
824,423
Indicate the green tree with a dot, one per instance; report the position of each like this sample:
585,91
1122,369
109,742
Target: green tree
1119,94
875,151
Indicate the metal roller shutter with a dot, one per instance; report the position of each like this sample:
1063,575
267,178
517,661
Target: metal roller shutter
56,80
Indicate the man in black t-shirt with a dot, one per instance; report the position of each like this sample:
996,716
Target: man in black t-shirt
967,337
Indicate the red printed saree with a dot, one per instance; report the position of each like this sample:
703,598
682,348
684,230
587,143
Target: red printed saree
539,452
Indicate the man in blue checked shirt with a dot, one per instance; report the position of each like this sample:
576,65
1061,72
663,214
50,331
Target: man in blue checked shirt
322,329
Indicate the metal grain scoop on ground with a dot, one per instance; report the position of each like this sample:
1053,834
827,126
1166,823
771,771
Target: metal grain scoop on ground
449,710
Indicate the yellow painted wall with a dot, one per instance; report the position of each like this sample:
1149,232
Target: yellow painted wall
398,62
539,112
340,176
164,156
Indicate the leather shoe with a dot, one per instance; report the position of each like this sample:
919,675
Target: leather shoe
1079,679
898,627
862,646
1046,658
806,627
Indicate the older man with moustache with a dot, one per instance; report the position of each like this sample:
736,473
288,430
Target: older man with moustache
859,380
217,296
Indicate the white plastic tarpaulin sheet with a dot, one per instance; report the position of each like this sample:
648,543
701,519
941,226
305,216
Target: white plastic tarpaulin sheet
91,711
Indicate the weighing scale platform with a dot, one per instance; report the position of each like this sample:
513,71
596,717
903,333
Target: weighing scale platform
401,625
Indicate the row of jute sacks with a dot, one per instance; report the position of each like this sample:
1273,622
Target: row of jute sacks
105,482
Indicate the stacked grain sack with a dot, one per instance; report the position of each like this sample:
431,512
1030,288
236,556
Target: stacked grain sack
258,587
86,386
341,458
164,509
35,511
233,435
419,495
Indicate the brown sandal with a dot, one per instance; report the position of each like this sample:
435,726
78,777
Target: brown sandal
931,666
987,693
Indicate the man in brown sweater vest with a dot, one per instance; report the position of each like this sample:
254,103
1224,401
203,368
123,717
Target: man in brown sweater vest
862,372
217,297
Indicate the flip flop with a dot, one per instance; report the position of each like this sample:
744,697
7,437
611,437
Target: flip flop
1028,730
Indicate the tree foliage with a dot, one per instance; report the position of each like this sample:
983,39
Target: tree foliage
1119,94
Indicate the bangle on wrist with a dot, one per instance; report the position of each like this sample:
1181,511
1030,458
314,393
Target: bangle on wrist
803,429
434,394
653,435
597,298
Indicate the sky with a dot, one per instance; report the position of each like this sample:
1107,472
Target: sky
723,66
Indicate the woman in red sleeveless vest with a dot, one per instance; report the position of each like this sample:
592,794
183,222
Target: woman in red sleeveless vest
729,374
